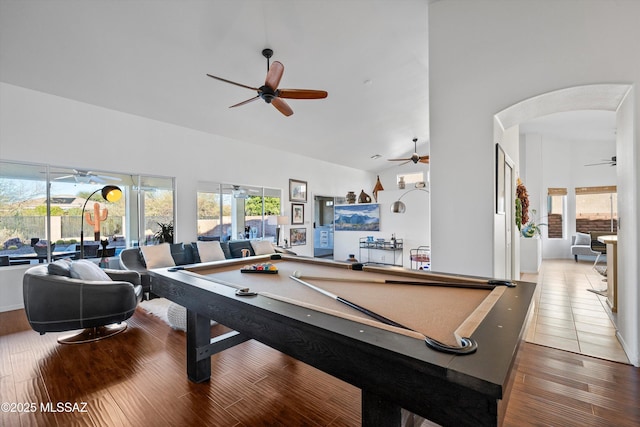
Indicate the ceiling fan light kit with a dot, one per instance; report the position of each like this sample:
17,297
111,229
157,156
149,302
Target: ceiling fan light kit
270,93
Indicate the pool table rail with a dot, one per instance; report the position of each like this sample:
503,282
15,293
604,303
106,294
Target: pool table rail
392,370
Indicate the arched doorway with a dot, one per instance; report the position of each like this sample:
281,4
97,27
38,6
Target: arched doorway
611,97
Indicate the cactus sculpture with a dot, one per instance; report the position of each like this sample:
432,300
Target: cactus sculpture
99,215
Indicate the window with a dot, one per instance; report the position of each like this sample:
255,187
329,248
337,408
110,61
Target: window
42,203
156,197
410,178
596,209
23,209
233,212
556,207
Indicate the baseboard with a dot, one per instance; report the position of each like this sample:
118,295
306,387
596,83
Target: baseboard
11,307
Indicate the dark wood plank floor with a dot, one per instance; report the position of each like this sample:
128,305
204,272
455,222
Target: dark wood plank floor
138,379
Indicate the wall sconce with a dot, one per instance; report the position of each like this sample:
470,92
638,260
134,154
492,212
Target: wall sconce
398,206
111,193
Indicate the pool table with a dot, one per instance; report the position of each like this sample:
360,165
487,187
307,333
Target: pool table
439,345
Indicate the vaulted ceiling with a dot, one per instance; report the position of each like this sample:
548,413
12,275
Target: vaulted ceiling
150,58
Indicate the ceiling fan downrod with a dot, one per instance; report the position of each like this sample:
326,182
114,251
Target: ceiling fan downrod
267,53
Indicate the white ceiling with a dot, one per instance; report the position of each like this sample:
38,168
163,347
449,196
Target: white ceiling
583,125
150,58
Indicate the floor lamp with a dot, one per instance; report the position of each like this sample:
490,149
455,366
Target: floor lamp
111,193
398,206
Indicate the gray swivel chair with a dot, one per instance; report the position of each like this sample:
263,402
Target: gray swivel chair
56,303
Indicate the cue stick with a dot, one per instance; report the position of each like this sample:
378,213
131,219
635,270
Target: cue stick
485,285
352,305
469,345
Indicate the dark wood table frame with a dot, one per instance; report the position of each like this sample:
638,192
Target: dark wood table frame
393,371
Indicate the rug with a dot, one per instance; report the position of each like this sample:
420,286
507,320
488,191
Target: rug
169,312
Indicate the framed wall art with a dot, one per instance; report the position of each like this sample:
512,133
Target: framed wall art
360,217
297,191
298,236
297,213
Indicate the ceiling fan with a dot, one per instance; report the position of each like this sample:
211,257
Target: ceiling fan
270,92
610,162
87,177
239,192
415,158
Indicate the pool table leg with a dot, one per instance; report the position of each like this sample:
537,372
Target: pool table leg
377,411
198,335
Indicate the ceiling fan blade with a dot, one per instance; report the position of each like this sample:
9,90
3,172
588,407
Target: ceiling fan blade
64,177
274,75
400,160
302,94
109,178
233,83
245,102
282,106
424,159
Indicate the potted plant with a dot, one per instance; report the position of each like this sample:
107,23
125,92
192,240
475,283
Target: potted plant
531,228
41,247
165,234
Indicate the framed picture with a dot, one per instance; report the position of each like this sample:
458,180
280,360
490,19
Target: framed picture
360,217
297,191
297,213
500,183
298,236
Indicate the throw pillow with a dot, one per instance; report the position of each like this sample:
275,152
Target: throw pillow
210,251
262,247
181,253
226,250
236,247
582,239
84,269
157,256
61,267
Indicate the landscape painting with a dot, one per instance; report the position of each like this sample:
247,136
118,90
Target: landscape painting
361,217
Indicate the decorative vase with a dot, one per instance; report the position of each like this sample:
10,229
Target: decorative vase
376,188
351,197
401,183
364,197
41,247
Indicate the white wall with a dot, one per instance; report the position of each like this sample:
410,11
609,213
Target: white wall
555,162
413,227
486,56
11,287
628,321
42,128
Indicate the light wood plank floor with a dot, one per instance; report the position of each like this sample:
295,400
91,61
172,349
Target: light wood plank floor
569,317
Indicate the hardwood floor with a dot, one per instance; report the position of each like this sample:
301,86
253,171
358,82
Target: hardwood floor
138,378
